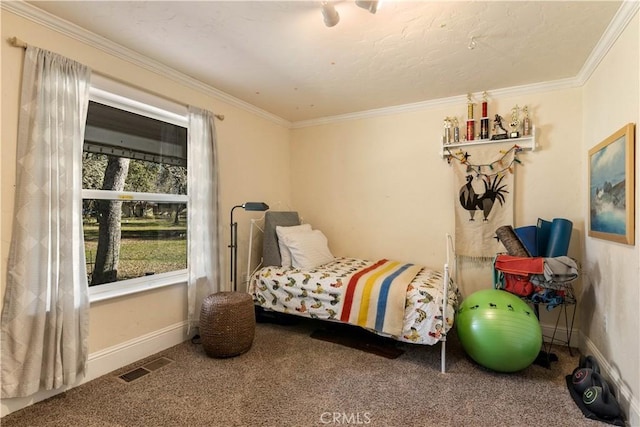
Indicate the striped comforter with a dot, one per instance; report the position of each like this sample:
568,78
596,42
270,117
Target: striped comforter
375,296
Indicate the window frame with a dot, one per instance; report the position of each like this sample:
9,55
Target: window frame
113,94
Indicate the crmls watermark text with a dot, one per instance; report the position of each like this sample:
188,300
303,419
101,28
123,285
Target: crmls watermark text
341,418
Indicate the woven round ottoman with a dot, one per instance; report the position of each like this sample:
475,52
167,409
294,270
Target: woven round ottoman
227,324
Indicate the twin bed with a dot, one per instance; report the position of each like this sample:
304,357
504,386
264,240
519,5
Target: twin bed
399,300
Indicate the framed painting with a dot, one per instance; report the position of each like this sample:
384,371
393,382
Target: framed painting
612,187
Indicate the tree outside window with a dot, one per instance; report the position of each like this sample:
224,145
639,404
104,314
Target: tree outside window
135,195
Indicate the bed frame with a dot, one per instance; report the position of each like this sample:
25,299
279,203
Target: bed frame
271,257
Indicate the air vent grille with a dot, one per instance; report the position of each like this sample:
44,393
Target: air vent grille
134,375
145,369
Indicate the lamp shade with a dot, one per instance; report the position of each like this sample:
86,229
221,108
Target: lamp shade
255,206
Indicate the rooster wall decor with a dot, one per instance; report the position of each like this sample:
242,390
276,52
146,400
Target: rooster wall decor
481,186
493,190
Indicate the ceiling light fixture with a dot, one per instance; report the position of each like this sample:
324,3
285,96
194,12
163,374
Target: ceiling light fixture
371,6
330,14
472,43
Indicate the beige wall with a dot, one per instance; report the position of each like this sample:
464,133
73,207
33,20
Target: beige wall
378,187
611,297
254,164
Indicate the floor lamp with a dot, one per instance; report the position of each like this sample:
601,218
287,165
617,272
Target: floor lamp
248,206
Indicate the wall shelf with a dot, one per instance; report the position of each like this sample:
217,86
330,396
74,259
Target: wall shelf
524,142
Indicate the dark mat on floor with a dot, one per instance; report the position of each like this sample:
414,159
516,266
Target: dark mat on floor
360,339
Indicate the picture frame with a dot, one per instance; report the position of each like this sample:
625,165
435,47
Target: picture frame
612,187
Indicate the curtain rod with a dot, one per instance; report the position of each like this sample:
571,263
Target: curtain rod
16,42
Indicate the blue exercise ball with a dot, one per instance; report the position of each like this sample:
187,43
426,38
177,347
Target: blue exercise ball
498,330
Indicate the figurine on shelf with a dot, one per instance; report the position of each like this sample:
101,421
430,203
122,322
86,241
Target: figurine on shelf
497,125
456,130
446,137
484,120
471,124
526,122
515,122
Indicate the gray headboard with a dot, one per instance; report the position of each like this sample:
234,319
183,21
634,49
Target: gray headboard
270,249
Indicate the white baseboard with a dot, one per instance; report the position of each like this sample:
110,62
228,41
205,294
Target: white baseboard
108,360
624,395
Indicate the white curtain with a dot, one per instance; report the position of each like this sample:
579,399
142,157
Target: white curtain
204,252
45,313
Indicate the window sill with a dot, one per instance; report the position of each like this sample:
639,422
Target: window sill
134,286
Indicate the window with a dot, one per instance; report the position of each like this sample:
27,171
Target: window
134,181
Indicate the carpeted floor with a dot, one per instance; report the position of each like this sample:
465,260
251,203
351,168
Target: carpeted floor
290,379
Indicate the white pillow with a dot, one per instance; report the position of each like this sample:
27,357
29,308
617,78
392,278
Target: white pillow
285,254
308,250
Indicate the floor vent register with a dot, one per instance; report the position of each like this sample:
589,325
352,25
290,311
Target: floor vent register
145,369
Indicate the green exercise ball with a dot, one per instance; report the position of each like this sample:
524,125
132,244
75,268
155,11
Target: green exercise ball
498,330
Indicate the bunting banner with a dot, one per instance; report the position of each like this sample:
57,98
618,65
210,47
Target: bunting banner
484,194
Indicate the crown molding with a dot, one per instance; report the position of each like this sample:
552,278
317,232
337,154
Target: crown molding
623,16
438,103
39,16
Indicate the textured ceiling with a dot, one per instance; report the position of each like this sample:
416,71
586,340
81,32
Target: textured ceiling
280,57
